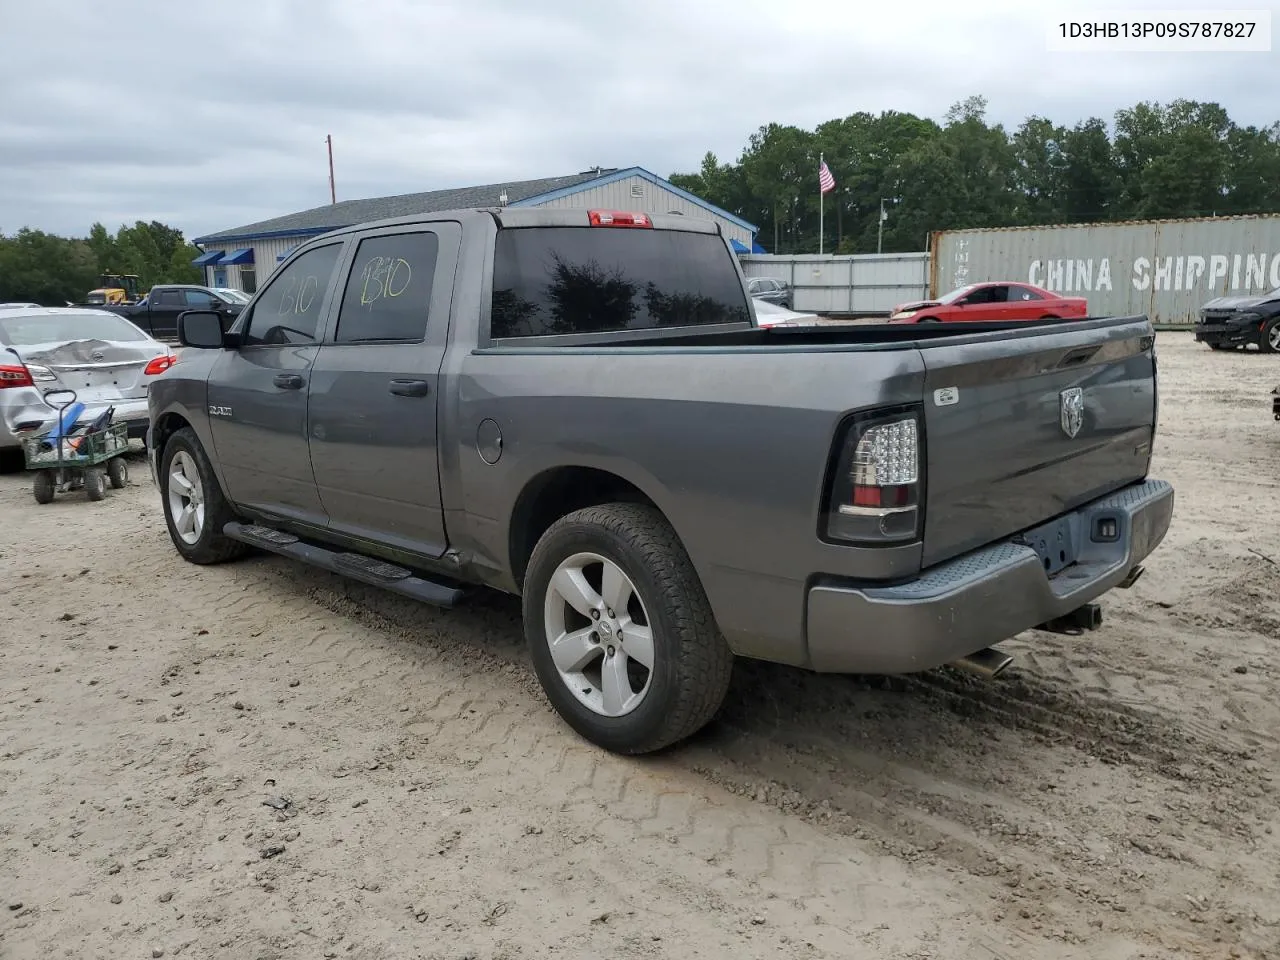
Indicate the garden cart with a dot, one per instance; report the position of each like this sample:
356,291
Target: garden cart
71,456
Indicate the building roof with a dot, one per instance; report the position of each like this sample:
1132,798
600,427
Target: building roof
519,193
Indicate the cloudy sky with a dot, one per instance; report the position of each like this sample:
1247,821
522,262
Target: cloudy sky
208,116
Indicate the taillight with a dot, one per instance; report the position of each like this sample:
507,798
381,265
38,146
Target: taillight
615,218
876,486
160,364
14,376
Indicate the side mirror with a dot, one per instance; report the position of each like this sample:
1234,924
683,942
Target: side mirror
201,329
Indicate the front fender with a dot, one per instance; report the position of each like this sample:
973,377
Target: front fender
180,396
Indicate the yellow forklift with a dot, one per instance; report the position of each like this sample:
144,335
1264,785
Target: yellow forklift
115,288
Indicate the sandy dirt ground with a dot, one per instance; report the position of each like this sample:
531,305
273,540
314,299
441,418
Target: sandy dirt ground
263,761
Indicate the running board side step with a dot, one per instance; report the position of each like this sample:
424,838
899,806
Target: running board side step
376,573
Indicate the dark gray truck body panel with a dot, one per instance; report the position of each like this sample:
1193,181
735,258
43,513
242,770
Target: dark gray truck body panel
731,442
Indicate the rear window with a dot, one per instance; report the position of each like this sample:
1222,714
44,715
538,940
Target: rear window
29,330
551,281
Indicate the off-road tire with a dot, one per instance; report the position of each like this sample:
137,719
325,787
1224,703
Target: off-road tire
212,546
43,487
118,473
692,662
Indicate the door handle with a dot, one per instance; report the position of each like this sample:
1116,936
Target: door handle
288,381
410,388
1079,355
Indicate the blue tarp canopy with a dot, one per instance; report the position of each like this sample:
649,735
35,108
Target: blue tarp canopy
756,248
207,259
243,255
280,257
738,246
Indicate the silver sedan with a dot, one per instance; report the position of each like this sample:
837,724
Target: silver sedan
101,356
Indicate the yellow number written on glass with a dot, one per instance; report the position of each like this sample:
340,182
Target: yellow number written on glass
384,277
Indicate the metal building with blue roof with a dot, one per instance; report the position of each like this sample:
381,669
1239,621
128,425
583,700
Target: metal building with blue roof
242,257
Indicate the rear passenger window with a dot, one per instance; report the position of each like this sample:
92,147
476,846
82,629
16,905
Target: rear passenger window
288,311
550,281
389,289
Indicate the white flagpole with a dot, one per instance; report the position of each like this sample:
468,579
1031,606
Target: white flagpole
822,199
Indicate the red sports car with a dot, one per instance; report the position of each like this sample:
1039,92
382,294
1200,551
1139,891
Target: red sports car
992,301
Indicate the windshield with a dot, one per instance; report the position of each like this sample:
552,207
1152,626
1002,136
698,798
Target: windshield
25,330
235,296
955,295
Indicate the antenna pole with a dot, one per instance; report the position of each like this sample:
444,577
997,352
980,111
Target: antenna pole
333,196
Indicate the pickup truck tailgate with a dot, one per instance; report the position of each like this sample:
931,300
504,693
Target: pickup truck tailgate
1023,428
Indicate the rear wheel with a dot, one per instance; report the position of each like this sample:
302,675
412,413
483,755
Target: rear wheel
621,634
118,473
1049,316
195,510
1269,337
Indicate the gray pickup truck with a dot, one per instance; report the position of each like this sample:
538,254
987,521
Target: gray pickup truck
576,407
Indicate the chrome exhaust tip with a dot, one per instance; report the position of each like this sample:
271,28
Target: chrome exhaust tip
987,662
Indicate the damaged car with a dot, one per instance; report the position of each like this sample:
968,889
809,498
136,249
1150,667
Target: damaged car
1228,323
100,356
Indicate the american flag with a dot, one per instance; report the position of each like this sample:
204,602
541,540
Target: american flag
826,182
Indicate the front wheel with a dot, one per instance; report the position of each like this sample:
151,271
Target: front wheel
43,487
620,630
118,473
1269,337
927,320
195,510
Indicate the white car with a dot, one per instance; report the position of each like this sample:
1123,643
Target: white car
106,360
771,315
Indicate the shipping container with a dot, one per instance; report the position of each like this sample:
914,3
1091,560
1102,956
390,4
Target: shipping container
857,285
1166,269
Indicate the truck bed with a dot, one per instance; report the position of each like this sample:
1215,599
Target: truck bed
733,432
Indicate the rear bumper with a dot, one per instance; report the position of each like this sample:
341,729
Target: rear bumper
994,593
